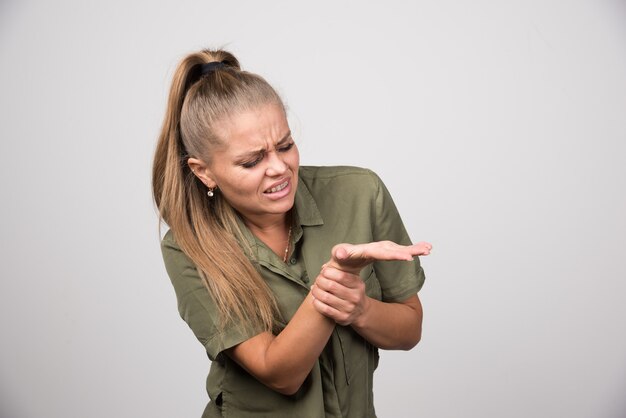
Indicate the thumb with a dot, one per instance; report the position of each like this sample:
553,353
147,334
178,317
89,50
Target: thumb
341,253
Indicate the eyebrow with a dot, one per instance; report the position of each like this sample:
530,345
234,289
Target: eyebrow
250,154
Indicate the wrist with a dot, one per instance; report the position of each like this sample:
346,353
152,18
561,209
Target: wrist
361,321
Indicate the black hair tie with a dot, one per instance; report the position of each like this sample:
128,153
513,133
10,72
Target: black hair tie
211,66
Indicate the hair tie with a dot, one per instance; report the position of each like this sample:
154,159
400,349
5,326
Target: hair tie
211,66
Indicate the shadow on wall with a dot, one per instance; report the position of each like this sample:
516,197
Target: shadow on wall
7,411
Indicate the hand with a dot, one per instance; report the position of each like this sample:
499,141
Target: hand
339,292
352,258
339,295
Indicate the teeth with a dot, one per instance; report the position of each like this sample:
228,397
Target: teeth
278,188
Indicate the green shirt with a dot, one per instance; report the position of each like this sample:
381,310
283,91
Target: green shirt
332,205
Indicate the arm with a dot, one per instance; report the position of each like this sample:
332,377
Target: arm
391,326
283,361
340,294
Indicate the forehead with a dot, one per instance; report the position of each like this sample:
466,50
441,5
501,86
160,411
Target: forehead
252,129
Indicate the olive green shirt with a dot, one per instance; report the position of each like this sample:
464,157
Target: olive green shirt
332,205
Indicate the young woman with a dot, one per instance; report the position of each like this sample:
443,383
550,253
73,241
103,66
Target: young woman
290,314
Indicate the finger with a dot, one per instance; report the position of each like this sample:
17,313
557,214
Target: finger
391,250
340,317
386,250
332,300
348,252
341,252
341,284
338,290
421,248
424,244
341,277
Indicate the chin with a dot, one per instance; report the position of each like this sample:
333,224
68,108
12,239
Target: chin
283,207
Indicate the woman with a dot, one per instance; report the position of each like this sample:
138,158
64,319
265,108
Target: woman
291,316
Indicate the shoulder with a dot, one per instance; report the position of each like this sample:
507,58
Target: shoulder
176,261
168,238
168,242
342,190
331,172
339,178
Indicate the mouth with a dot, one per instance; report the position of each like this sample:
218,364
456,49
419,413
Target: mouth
277,188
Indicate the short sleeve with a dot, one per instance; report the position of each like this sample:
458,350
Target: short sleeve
195,304
398,279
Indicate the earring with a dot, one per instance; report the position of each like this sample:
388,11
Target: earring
210,192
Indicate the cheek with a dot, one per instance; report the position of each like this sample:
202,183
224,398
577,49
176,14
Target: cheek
248,184
295,158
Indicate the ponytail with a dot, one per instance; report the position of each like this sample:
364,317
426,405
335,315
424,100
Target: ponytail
207,231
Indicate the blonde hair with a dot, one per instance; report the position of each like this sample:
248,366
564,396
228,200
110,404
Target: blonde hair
206,229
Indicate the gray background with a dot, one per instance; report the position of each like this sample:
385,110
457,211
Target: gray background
498,126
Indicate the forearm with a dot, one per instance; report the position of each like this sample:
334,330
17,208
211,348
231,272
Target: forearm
295,350
283,362
391,326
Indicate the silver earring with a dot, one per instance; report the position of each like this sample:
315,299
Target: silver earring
210,192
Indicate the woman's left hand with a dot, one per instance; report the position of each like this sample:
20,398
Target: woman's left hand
353,257
339,295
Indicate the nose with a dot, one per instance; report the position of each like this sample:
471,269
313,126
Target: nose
275,165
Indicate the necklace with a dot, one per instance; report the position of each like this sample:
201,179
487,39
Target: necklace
287,247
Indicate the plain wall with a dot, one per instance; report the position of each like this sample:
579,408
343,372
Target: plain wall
498,126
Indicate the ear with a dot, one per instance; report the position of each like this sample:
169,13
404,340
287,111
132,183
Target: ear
202,171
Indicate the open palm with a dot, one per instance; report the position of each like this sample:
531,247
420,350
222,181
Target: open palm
353,257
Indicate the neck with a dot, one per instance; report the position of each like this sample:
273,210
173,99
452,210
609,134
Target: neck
274,234
268,225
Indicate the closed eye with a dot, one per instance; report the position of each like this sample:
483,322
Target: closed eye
259,157
286,147
250,164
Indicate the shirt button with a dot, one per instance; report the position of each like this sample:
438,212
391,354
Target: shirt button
292,261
